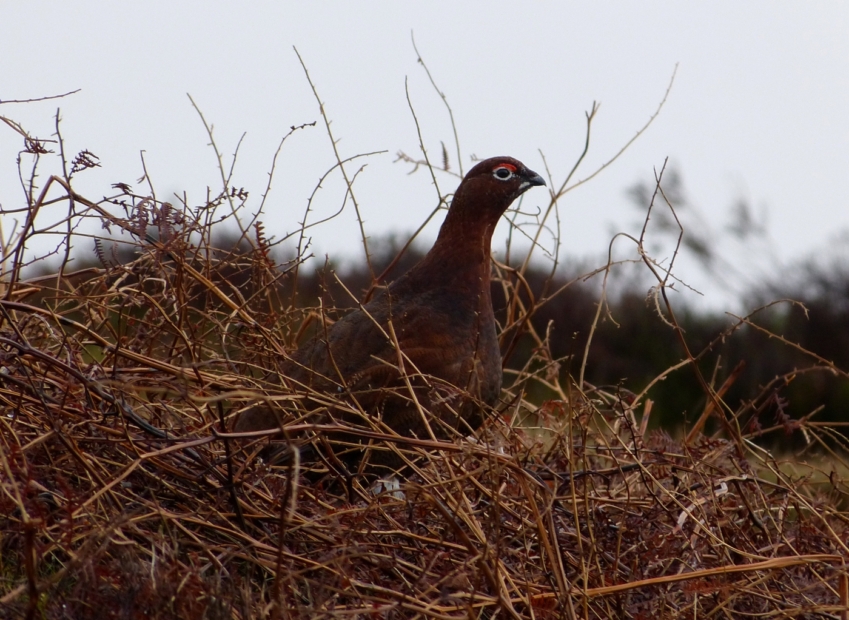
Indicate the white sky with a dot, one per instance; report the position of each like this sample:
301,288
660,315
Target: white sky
759,108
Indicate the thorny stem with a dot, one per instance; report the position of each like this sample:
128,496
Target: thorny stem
444,100
348,182
225,178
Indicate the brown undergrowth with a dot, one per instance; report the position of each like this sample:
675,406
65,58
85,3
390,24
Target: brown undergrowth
122,494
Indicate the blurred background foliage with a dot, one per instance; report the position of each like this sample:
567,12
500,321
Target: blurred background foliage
792,351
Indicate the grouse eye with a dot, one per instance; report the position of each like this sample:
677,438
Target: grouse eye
503,173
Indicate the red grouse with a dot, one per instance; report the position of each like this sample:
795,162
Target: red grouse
421,357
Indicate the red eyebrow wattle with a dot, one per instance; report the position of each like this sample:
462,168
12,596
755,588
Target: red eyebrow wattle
509,167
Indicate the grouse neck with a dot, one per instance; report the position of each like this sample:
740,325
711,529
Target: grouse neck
461,253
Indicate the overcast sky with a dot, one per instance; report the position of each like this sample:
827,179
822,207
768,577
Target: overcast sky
758,110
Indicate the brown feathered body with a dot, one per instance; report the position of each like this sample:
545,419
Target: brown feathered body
421,357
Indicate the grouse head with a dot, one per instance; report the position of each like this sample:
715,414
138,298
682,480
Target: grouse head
499,180
485,193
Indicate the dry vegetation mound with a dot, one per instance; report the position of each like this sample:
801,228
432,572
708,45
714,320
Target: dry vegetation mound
123,495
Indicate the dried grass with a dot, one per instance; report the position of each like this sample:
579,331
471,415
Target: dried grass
122,494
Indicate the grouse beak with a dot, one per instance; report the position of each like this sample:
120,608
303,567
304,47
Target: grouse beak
530,179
